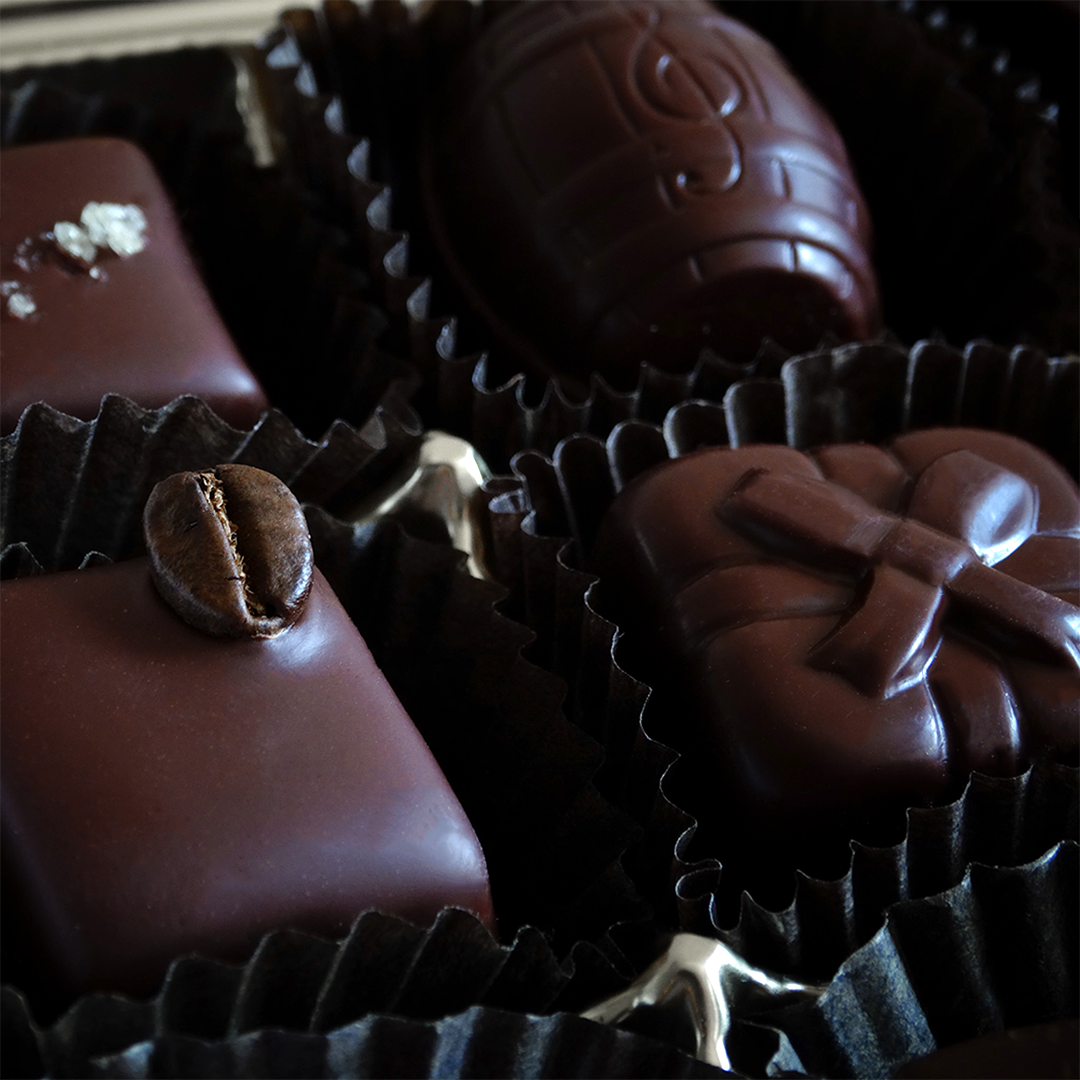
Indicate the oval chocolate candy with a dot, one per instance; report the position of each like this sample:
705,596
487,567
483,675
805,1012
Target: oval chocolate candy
613,183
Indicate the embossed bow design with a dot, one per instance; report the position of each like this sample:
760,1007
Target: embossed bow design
964,515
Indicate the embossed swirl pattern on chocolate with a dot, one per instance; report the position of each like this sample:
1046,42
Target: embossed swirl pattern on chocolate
619,182
859,628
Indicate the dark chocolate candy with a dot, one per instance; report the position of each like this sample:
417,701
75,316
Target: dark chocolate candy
82,321
852,631
165,791
1041,1052
614,183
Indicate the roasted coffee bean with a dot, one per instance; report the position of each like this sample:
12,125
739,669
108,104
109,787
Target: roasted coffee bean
229,550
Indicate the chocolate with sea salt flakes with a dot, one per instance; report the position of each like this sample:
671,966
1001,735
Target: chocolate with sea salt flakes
101,294
274,269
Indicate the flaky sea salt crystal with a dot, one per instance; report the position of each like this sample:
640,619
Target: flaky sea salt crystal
20,305
75,241
27,254
114,225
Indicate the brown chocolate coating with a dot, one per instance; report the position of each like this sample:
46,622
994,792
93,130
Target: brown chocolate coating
145,328
166,792
853,630
614,183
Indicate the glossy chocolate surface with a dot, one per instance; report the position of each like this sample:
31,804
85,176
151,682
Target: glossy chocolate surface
614,183
166,792
144,327
853,630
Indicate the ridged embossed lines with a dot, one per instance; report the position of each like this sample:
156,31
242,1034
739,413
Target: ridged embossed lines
655,151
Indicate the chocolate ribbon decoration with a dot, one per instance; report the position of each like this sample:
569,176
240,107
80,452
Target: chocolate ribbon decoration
965,513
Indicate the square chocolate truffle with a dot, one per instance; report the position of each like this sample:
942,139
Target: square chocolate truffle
190,760
100,294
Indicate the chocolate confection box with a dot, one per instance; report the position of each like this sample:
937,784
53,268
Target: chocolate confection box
551,595
461,389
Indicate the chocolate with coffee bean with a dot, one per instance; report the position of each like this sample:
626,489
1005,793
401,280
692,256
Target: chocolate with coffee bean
171,790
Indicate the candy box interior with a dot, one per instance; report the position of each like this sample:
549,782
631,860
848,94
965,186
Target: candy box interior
975,197
292,150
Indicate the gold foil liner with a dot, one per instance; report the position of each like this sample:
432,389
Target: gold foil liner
439,494
702,985
997,951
